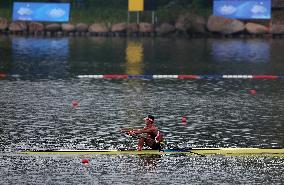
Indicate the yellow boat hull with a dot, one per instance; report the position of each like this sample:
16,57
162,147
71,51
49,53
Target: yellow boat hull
193,151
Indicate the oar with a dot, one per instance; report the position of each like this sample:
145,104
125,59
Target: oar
126,130
188,150
202,155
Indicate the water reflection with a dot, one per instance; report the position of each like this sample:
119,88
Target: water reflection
40,49
64,57
134,58
149,161
5,54
97,55
252,50
40,57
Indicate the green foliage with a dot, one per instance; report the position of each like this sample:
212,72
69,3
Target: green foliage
107,15
5,13
202,4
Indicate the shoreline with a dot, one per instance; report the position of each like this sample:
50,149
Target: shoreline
52,34
187,26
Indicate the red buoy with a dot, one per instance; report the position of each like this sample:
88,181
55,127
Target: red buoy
252,91
183,120
85,161
2,75
74,104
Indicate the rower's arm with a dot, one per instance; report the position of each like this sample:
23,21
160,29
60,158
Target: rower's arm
131,131
128,129
144,130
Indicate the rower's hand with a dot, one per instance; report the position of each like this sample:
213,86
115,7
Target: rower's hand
131,132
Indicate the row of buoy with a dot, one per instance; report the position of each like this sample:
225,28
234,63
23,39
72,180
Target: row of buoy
117,76
75,104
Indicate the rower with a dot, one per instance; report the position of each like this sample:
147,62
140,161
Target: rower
154,137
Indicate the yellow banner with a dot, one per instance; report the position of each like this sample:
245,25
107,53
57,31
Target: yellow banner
135,5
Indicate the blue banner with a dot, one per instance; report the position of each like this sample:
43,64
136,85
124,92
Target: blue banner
243,9
45,12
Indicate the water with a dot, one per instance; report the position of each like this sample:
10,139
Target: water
36,109
69,57
141,170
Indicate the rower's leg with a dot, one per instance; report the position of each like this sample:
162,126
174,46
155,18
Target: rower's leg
151,143
141,142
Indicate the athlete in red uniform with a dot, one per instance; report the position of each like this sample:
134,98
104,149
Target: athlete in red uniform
153,139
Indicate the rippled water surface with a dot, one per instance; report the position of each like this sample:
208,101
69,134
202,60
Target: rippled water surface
36,109
141,170
39,114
